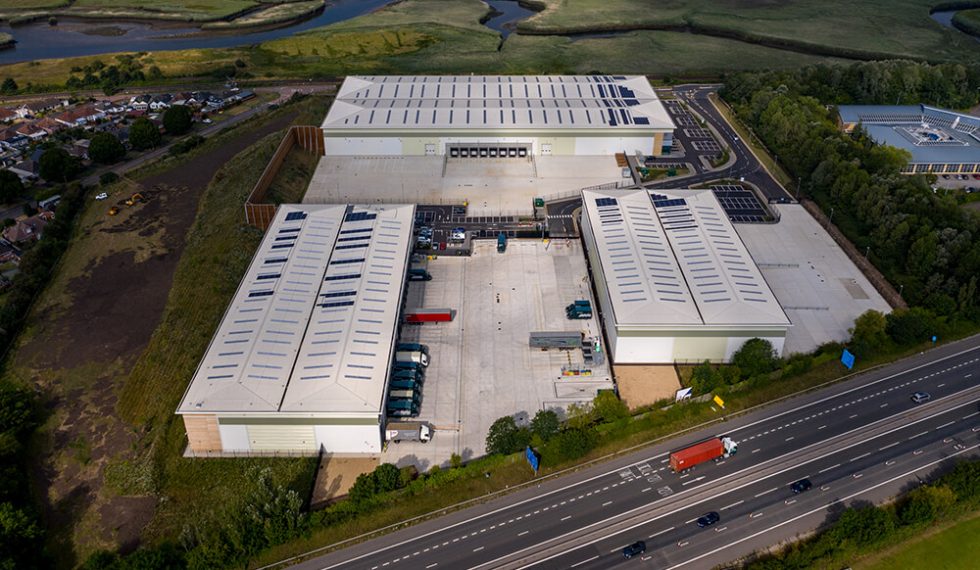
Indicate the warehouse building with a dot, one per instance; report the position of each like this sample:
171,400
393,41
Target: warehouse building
940,141
673,280
300,360
497,116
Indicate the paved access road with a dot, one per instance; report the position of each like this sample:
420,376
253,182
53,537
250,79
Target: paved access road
850,439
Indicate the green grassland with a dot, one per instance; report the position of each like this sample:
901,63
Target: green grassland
247,13
968,21
951,548
892,28
275,13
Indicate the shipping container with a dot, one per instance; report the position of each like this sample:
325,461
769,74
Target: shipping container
429,316
701,452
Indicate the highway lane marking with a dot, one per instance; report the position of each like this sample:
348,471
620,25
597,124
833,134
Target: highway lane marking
970,415
645,490
693,480
523,533
733,505
789,501
918,434
478,549
721,529
829,468
584,561
885,405
889,445
683,544
940,385
816,510
968,375
945,425
862,456
756,450
565,518
890,462
755,515
659,532
766,492
607,503
692,520
433,565
791,438
823,426
851,417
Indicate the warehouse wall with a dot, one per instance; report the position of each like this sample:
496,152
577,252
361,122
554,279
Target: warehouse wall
607,146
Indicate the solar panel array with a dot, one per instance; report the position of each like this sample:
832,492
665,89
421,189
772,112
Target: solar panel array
740,204
542,102
311,326
671,257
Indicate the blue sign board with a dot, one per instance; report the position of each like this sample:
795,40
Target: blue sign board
533,458
847,359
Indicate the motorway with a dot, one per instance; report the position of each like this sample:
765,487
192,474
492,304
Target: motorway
861,439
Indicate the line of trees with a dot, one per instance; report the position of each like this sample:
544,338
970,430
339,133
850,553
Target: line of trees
921,241
865,527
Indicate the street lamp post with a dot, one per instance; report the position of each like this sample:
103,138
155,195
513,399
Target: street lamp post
867,251
831,218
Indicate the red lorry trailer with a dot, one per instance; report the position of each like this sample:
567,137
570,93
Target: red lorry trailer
716,448
429,316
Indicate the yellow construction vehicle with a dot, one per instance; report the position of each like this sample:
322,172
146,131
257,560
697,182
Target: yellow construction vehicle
113,211
137,197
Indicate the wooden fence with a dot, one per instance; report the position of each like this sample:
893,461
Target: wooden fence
258,212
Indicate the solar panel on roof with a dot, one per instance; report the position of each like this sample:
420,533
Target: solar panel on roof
295,216
600,202
669,203
359,216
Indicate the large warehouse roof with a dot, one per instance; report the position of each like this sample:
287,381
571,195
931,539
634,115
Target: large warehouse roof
671,258
930,134
547,102
311,326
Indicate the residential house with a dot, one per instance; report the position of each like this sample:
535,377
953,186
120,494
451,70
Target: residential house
161,102
11,139
79,148
27,170
80,116
8,115
27,229
8,254
49,125
140,102
33,108
31,131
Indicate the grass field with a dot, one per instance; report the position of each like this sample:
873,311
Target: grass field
273,14
953,547
897,28
181,10
968,21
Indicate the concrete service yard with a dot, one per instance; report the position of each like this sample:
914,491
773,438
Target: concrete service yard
820,289
481,366
491,186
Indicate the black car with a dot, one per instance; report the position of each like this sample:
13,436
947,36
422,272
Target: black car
635,549
708,519
801,486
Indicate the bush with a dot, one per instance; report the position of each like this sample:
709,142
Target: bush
864,526
910,326
387,478
545,424
926,504
868,337
107,178
573,443
704,378
11,187
185,145
607,407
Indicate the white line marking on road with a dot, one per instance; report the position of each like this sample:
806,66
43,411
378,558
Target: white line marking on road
940,385
970,415
565,518
433,565
852,416
478,549
756,450
789,501
889,445
659,532
733,505
890,462
918,434
721,529
690,521
755,515
683,544
523,533
766,492
945,425
858,475
791,438
862,456
885,405
917,452
607,503
584,561
823,426
825,488
692,481
828,468
968,375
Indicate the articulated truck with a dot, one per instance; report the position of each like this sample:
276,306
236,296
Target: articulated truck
717,448
408,431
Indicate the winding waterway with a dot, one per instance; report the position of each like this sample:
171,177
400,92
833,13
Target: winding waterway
507,13
945,18
71,38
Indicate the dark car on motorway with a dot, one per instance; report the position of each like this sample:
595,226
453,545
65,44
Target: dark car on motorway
708,519
635,549
801,486
921,397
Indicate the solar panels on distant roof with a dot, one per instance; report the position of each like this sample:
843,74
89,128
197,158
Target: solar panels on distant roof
359,216
600,202
292,216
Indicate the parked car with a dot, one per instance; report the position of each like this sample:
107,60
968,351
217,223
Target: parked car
101,196
458,234
945,176
708,519
635,549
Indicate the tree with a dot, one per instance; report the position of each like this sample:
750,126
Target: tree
105,148
364,488
545,424
11,188
143,134
574,443
910,326
755,358
864,526
607,407
504,437
107,178
177,120
9,86
705,378
868,335
926,504
56,165
387,477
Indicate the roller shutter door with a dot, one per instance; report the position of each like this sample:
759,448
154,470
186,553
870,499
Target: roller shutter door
282,438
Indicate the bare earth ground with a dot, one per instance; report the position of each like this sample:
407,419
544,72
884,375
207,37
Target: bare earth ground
336,475
641,385
87,332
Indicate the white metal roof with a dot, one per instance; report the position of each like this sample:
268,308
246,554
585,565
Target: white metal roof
672,258
545,102
311,327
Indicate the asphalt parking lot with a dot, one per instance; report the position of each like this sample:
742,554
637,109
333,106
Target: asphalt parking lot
482,366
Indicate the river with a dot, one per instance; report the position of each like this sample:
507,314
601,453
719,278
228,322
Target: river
945,18
507,13
76,37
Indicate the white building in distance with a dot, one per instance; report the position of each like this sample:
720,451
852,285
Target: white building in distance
497,116
674,280
301,358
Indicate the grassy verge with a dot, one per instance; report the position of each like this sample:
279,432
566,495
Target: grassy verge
290,184
754,144
968,21
275,14
948,546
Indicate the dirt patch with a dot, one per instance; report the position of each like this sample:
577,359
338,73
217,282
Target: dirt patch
642,384
336,475
84,346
